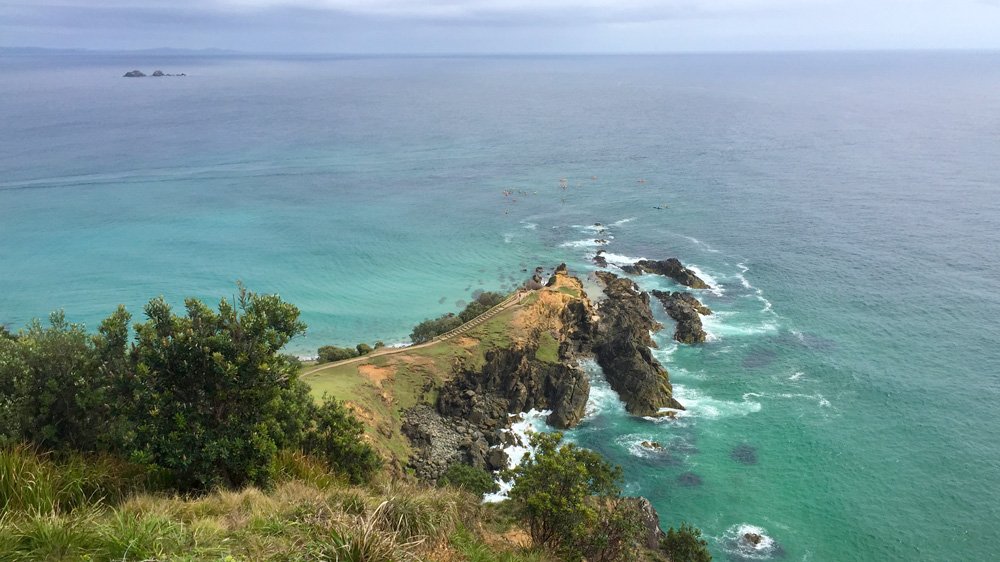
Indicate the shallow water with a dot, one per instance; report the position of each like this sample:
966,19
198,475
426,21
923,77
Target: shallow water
845,208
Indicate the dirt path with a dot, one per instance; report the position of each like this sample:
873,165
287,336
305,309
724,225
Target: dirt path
511,301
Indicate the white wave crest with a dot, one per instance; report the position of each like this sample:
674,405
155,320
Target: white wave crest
530,422
623,221
733,542
716,287
700,406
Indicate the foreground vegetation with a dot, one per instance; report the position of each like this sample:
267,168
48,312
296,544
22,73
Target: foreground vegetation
195,439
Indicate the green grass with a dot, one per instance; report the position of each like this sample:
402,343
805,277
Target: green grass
548,348
300,519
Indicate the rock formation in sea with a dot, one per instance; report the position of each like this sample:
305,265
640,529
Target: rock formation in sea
622,347
134,74
671,268
687,311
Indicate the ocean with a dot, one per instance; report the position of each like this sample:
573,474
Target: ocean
844,206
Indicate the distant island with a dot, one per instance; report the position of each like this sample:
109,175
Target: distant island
156,74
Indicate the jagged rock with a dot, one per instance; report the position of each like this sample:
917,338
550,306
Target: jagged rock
687,311
752,539
671,268
513,381
650,520
652,445
158,73
600,260
134,74
497,459
622,344
437,441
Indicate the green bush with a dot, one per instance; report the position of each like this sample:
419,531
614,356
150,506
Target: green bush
480,304
469,478
335,436
570,499
686,545
331,353
430,329
364,349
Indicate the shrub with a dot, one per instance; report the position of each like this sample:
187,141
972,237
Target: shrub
430,329
214,388
480,304
554,492
686,545
335,436
469,478
331,353
364,349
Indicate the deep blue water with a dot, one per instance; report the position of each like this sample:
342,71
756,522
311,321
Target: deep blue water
847,207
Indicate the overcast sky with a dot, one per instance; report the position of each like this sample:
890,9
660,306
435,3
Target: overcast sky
501,26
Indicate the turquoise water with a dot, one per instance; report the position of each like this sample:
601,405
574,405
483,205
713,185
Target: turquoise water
846,206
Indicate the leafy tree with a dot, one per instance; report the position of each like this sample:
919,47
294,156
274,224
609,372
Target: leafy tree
364,349
214,387
336,437
379,344
470,478
54,394
5,333
331,353
553,492
430,329
481,303
686,545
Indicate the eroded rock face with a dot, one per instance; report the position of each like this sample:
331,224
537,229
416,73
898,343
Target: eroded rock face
650,520
687,311
671,268
513,381
622,344
440,441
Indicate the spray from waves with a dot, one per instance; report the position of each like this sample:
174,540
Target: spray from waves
589,243
700,406
603,399
738,543
796,376
746,284
818,398
619,260
717,289
529,225
530,422
704,245
623,221
717,326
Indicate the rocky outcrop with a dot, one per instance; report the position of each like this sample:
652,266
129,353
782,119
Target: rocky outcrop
621,345
671,268
440,441
600,260
686,310
513,381
156,74
650,521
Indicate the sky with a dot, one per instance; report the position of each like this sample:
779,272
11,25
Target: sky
501,26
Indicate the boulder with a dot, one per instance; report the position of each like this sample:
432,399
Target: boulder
686,310
671,268
753,539
134,74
